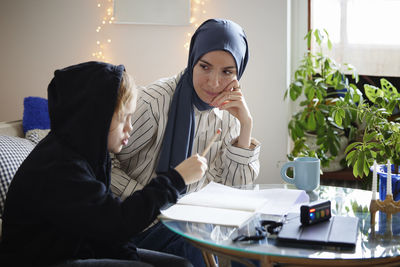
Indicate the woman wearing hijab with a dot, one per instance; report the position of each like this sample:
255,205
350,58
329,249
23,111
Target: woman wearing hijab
177,117
59,207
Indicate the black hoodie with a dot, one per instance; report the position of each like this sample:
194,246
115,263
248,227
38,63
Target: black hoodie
59,204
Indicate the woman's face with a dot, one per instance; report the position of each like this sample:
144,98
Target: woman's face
213,73
120,128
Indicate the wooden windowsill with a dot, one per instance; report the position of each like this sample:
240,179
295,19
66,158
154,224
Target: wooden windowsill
345,178
343,175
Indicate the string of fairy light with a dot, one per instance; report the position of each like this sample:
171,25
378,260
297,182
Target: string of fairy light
102,41
198,12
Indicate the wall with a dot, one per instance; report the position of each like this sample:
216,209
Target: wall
297,47
40,36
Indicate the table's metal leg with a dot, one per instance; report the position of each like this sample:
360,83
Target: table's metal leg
224,262
265,262
209,259
210,253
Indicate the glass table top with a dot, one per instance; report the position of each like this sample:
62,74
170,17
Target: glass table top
383,242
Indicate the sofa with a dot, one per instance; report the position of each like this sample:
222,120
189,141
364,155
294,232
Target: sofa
14,148
18,138
16,142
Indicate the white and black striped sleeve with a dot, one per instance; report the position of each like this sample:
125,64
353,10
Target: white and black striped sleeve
234,165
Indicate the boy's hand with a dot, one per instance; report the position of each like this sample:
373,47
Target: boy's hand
192,169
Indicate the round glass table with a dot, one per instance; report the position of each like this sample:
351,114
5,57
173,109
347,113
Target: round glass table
379,245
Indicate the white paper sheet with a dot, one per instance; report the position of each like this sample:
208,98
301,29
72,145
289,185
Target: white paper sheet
227,217
224,205
281,201
221,196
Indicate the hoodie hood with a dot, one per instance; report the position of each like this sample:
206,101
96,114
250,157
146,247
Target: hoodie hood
81,101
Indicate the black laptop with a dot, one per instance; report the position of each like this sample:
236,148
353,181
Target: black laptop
338,233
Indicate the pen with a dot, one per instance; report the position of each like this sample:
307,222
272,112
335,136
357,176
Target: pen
218,132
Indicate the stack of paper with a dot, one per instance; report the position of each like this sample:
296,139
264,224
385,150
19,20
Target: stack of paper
224,205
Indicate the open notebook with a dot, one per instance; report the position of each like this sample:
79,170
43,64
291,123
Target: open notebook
224,205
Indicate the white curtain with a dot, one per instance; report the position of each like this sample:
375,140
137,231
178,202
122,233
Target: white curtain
365,33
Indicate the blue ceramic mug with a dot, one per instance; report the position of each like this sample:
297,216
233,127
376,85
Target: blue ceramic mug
306,173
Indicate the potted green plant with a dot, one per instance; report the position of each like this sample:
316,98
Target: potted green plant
322,88
381,135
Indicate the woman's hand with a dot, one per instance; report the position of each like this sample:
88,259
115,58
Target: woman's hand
232,100
192,169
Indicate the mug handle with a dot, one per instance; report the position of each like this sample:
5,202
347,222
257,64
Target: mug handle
283,172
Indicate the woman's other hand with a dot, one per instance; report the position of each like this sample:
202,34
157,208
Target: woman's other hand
192,169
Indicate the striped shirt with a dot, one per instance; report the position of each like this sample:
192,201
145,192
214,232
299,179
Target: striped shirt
227,164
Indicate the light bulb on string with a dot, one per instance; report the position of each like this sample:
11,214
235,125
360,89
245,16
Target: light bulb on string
197,11
102,42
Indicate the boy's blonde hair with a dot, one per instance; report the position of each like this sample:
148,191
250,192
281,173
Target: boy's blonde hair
126,93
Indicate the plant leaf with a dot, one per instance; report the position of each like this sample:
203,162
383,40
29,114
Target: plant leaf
372,92
311,125
308,38
317,36
320,117
338,118
342,113
360,163
366,167
310,94
355,171
349,156
368,137
388,87
351,146
329,44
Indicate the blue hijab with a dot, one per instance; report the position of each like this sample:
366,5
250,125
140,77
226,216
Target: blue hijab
213,34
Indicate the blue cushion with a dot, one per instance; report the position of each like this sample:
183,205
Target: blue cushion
36,114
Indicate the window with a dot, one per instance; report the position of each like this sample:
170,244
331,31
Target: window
365,33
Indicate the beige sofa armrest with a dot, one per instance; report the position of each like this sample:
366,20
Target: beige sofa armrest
11,128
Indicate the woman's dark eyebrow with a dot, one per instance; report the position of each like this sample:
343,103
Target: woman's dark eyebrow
205,62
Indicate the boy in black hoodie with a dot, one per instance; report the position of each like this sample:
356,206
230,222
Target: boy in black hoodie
59,207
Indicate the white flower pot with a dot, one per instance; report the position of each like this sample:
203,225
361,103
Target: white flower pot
334,165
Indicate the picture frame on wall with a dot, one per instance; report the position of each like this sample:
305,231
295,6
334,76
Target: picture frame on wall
152,12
